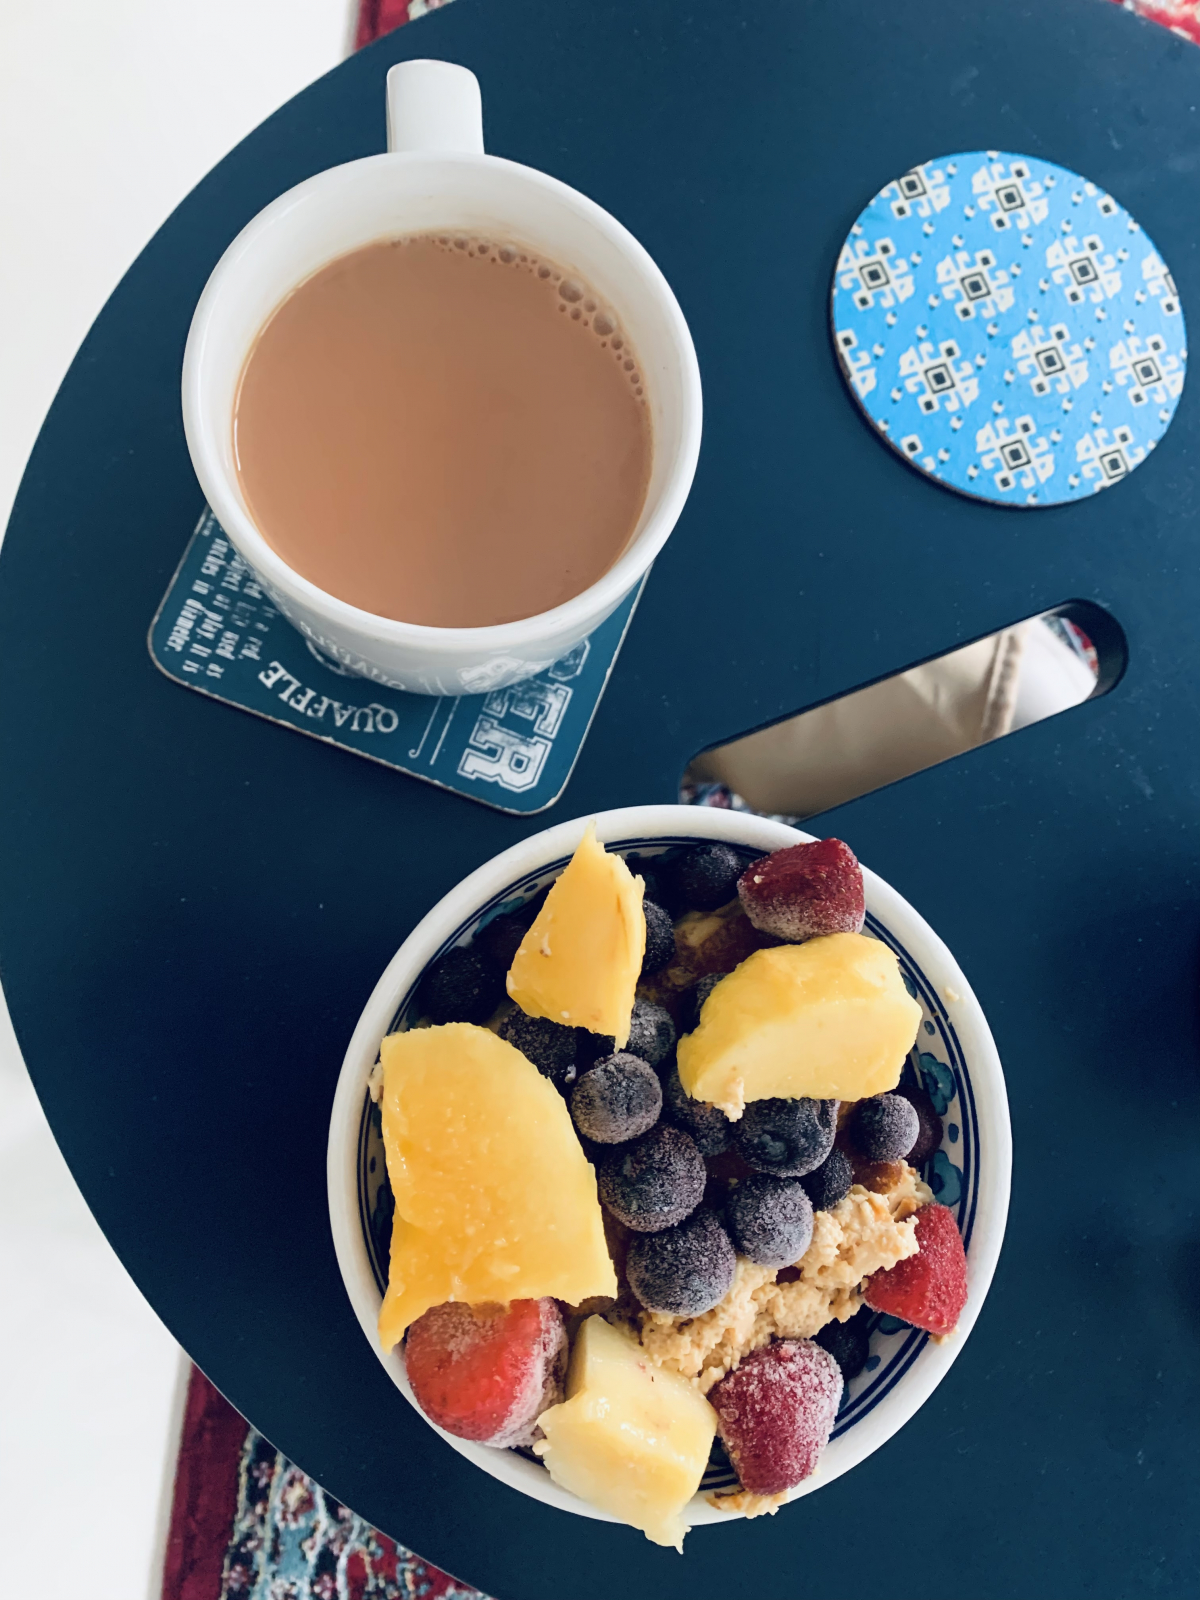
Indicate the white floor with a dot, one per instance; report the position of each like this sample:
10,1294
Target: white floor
88,1377
110,111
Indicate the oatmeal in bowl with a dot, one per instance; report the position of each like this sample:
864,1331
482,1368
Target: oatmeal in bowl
669,1165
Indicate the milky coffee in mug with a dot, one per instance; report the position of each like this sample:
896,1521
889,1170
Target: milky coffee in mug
444,429
436,182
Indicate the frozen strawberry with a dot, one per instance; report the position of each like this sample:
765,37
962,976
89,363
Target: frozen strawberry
929,1289
775,1413
805,890
488,1372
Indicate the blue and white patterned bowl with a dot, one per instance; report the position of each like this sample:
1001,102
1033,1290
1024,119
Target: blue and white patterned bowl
954,1057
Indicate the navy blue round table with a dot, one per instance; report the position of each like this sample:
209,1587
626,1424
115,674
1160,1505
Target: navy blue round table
195,904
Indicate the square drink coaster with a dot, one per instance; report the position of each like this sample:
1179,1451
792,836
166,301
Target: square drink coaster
217,632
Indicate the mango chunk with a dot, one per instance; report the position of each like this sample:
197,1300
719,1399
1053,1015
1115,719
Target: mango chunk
495,1199
829,1018
630,1438
580,961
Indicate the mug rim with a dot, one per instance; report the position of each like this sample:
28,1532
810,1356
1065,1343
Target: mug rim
600,597
468,898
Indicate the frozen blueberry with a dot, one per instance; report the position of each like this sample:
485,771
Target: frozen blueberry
930,1137
592,1047
617,1099
464,986
549,1045
651,1032
849,1343
885,1127
683,1270
501,939
704,877
660,939
830,1182
644,867
651,1037
654,1182
502,936
770,1220
787,1138
707,1125
694,998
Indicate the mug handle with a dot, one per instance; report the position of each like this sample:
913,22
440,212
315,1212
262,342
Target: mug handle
434,106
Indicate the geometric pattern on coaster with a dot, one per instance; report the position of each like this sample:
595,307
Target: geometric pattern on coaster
1008,328
217,632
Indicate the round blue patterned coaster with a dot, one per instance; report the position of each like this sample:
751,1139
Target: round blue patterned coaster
1009,328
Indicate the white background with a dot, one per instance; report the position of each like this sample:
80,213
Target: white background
110,111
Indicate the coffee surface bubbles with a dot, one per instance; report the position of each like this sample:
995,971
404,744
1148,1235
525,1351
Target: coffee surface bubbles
444,430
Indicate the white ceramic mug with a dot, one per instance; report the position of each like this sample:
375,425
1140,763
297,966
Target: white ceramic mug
436,175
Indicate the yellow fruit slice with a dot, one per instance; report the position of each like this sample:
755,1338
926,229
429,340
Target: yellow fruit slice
495,1199
630,1438
579,963
829,1018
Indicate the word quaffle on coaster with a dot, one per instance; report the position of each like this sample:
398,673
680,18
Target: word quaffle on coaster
217,631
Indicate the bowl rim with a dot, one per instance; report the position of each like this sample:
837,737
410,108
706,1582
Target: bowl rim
673,822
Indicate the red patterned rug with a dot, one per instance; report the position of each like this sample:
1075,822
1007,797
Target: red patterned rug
248,1525
245,1523
377,17
1181,16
